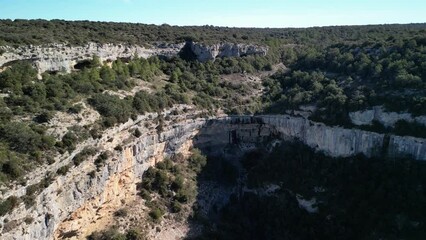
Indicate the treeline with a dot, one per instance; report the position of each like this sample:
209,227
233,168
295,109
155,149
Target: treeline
24,32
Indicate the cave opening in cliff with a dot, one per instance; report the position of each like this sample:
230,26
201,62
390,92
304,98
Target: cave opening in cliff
52,72
83,64
186,52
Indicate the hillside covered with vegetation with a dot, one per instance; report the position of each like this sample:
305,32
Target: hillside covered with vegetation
336,70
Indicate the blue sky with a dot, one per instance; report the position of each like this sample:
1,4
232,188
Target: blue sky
233,13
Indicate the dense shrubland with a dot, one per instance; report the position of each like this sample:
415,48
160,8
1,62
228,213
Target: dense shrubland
350,77
29,103
24,32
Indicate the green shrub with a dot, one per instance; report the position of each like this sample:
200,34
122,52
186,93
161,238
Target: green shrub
8,205
176,207
69,141
197,161
156,214
145,195
100,160
92,174
63,170
135,234
83,155
44,117
122,212
110,234
182,196
177,183
112,108
75,109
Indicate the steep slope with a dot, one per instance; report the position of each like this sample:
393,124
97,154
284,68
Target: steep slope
77,201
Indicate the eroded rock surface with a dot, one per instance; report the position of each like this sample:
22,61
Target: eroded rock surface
388,119
77,203
333,141
65,58
205,52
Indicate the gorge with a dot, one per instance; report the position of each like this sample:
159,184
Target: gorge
70,205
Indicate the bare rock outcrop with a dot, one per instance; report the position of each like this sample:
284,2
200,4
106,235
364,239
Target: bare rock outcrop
73,204
333,141
204,52
388,119
63,58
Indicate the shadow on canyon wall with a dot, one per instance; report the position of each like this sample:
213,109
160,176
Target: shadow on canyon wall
255,186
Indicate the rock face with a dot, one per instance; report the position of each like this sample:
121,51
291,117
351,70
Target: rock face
333,141
64,58
71,205
205,53
388,119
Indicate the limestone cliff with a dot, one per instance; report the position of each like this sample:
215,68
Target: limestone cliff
388,119
64,58
333,141
74,203
204,52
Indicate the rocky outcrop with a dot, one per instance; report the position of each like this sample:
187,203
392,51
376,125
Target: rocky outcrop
333,141
388,119
73,204
204,52
63,58
341,142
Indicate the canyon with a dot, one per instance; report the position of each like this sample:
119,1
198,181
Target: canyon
77,203
177,132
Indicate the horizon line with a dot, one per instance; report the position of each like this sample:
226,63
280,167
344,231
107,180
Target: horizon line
209,25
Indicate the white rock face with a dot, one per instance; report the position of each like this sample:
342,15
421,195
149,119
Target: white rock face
388,119
205,53
78,195
61,57
333,141
341,142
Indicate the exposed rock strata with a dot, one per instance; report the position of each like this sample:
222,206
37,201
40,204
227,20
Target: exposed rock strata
205,52
72,203
63,58
333,141
388,119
